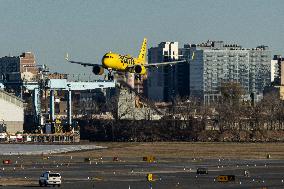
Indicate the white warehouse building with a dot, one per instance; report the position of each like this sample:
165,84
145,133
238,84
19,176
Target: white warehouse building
11,112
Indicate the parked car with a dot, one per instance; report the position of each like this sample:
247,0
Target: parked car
49,178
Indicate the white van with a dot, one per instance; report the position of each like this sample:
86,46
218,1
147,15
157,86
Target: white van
49,178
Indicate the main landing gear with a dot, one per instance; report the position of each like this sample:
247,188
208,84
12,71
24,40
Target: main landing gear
110,75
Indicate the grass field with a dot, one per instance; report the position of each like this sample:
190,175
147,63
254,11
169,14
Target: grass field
188,150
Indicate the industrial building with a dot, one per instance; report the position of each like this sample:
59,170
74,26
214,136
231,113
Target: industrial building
15,68
209,65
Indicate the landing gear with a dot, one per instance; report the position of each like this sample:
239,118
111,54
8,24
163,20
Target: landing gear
138,77
110,75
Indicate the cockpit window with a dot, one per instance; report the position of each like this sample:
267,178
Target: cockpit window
107,56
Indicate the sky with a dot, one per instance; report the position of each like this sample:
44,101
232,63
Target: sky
87,29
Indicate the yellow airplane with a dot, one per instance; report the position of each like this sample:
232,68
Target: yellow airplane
124,63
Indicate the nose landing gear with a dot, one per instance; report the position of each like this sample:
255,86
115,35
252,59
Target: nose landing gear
138,77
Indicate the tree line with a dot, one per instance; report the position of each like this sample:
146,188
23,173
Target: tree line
229,118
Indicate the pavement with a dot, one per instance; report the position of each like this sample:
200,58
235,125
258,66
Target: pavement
130,173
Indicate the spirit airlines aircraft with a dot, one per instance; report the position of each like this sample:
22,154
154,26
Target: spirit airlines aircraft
124,63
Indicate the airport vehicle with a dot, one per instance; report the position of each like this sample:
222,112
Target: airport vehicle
202,171
124,63
150,177
49,178
226,178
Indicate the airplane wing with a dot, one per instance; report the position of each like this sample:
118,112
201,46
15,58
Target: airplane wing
81,63
163,63
168,63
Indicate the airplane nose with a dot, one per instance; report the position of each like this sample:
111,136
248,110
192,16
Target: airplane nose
106,62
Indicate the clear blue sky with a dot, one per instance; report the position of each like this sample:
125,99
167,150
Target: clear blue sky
89,28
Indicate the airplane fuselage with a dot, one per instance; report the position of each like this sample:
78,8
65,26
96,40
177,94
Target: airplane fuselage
120,62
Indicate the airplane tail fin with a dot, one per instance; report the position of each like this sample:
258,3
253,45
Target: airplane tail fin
67,57
142,54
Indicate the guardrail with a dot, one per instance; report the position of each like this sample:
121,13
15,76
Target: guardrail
11,98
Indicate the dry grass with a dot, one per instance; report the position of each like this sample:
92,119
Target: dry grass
15,182
188,150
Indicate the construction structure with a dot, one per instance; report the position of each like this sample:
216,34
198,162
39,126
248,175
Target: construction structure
49,129
52,124
63,84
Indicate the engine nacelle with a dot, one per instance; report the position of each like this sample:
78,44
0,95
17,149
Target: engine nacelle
98,70
139,69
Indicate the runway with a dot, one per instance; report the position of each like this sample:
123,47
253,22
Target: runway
38,149
104,173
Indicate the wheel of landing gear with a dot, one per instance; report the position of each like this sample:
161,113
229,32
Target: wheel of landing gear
138,77
110,77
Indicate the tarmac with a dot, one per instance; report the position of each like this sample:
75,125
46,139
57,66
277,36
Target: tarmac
130,173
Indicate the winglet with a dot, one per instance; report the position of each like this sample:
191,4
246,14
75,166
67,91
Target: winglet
67,57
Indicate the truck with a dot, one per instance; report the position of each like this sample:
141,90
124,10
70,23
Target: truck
49,178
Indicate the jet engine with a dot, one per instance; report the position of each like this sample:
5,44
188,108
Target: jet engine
98,70
140,69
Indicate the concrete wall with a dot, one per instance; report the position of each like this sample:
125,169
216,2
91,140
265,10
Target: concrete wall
128,110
